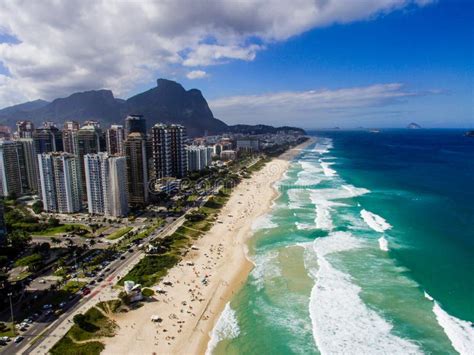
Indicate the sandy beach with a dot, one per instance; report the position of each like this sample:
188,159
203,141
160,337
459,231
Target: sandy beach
190,307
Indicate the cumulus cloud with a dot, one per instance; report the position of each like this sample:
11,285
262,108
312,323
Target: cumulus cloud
313,108
196,74
64,46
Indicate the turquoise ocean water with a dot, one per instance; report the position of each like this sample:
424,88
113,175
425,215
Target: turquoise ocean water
368,250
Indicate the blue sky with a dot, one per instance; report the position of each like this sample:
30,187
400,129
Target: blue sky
378,66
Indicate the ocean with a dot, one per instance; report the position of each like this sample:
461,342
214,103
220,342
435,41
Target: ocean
369,249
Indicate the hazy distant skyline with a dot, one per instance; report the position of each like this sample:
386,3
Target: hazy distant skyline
311,63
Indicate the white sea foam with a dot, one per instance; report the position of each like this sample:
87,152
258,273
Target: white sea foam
342,323
323,200
303,226
323,217
296,198
226,327
309,175
374,221
355,191
383,244
427,296
327,170
459,332
263,222
266,267
323,146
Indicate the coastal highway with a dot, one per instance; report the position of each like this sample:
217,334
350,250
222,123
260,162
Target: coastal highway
41,336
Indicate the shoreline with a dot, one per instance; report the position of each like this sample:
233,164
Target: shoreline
190,308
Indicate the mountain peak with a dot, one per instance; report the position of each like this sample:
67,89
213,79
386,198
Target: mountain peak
166,84
168,102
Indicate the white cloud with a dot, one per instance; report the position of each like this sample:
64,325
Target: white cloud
196,74
313,108
65,46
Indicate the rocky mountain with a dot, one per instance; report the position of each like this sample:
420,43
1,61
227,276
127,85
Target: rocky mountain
168,102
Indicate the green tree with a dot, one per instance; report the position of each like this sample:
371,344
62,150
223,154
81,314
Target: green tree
53,222
37,207
3,260
33,262
18,239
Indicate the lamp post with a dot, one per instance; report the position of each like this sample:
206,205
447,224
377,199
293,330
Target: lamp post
11,310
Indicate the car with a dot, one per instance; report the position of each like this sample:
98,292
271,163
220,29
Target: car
122,257
5,339
86,291
47,306
92,282
100,279
42,281
3,342
18,339
62,304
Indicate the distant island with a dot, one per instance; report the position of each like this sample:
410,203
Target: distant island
469,134
414,125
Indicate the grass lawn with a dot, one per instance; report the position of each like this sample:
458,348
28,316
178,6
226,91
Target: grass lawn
150,269
119,233
73,286
65,228
67,347
96,325
23,275
192,198
7,331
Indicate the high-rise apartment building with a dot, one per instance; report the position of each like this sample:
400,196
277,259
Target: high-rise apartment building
199,157
88,142
93,170
60,184
48,139
168,154
105,181
70,137
28,164
160,162
179,162
137,169
10,174
116,197
135,124
114,138
25,129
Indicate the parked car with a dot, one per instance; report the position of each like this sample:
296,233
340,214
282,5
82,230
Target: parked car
86,291
18,339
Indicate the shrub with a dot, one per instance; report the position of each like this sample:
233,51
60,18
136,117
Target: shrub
147,292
